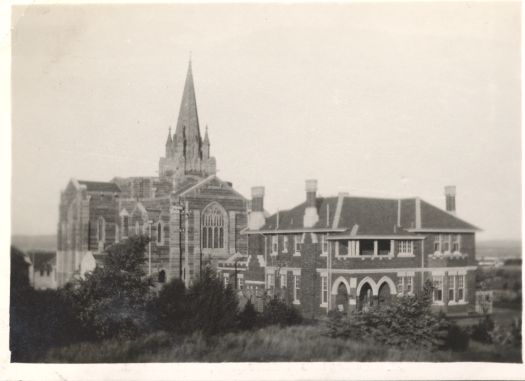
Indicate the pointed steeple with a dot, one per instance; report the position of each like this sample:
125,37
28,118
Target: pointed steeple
206,137
169,145
206,145
188,116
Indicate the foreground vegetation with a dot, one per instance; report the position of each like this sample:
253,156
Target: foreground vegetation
274,343
116,314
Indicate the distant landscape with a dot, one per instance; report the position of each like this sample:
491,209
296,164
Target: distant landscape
490,248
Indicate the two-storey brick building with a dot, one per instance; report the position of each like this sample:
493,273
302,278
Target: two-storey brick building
192,216
349,252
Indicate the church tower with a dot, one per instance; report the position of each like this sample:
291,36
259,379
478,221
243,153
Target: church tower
186,153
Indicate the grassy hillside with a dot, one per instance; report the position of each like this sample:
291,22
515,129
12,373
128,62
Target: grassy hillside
296,343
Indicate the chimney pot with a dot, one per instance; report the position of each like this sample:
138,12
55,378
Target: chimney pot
311,217
450,198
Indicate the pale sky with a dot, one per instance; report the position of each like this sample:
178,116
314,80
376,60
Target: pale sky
380,100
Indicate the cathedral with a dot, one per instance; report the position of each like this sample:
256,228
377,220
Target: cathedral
192,217
341,253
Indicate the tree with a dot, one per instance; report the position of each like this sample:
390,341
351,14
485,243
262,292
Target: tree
212,307
170,309
112,299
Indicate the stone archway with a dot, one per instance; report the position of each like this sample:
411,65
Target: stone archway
341,298
366,295
384,294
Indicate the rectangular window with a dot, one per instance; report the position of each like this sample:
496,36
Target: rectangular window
446,243
353,248
406,247
283,280
298,244
285,244
240,281
451,288
275,243
409,284
296,288
405,284
461,287
383,247
367,247
437,281
270,281
437,243
455,243
324,290
324,244
226,279
400,285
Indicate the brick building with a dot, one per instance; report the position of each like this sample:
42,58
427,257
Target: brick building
350,253
191,215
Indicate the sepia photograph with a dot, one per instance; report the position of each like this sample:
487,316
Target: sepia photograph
263,183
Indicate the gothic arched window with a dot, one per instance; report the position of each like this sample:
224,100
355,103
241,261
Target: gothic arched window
213,227
101,229
159,233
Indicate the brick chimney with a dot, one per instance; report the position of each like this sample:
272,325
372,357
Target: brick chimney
256,218
310,213
450,198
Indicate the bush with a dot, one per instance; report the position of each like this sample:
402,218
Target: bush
248,317
482,331
406,322
278,312
457,338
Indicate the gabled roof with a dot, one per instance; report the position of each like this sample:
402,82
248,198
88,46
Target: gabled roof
99,186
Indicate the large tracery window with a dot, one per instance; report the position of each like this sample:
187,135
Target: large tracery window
213,228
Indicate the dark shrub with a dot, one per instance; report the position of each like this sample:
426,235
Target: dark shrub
457,338
38,319
482,331
248,317
212,308
278,312
169,309
406,323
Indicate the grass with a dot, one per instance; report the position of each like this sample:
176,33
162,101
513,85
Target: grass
297,343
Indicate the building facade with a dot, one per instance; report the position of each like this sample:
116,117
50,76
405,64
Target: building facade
346,253
192,216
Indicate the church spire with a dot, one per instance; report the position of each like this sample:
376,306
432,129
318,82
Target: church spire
169,145
188,116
